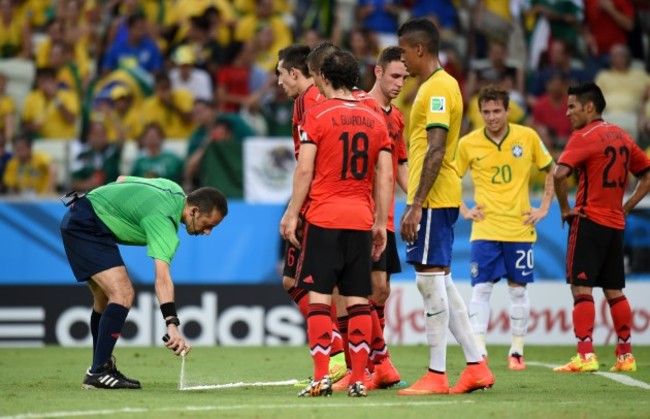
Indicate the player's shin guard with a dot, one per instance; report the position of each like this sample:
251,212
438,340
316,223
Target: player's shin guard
459,323
519,315
436,316
584,315
110,327
622,318
319,332
479,313
359,334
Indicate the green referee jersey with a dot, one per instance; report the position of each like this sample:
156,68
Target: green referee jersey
141,212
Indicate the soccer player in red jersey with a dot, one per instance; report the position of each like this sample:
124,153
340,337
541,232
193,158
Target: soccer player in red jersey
294,78
602,155
344,159
390,75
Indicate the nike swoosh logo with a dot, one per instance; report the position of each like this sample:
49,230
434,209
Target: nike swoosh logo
526,273
410,250
435,314
480,158
473,315
480,381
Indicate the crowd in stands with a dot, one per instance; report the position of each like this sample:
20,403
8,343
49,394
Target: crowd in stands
184,82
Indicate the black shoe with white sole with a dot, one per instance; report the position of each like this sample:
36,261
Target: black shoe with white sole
109,378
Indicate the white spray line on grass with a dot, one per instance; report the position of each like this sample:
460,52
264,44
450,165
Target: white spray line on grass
233,407
623,379
240,384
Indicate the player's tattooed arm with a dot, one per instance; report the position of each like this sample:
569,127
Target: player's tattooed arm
436,140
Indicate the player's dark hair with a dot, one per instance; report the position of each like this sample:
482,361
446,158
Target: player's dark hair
388,55
317,55
421,31
295,56
589,92
341,69
207,199
494,93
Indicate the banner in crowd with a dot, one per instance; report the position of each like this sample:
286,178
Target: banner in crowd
268,170
264,315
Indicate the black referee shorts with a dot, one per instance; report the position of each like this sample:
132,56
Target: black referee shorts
90,246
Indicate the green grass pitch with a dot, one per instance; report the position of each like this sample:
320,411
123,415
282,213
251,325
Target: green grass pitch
46,382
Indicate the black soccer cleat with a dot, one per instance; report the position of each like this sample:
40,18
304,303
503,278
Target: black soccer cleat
109,378
132,380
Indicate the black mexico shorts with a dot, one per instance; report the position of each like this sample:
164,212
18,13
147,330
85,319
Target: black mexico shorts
389,260
594,255
333,257
90,246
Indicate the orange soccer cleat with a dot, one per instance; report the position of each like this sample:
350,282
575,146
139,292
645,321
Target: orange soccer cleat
579,363
516,362
474,377
431,383
385,375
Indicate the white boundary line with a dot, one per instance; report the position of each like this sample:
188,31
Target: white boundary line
240,384
623,379
233,407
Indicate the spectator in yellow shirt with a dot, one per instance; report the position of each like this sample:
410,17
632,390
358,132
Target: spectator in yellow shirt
7,111
28,172
249,25
172,109
50,112
55,33
15,32
120,114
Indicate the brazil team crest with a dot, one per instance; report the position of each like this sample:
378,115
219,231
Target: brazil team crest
517,150
473,269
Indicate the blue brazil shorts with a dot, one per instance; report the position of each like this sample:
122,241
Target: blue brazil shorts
435,238
90,246
492,260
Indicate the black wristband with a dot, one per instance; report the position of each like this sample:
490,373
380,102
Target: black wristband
168,309
173,320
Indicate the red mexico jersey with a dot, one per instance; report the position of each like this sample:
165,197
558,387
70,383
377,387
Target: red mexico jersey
603,154
349,137
304,101
395,125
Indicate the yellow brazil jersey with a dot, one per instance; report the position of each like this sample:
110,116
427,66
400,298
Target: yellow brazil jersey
501,174
7,107
38,109
437,104
32,176
155,111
